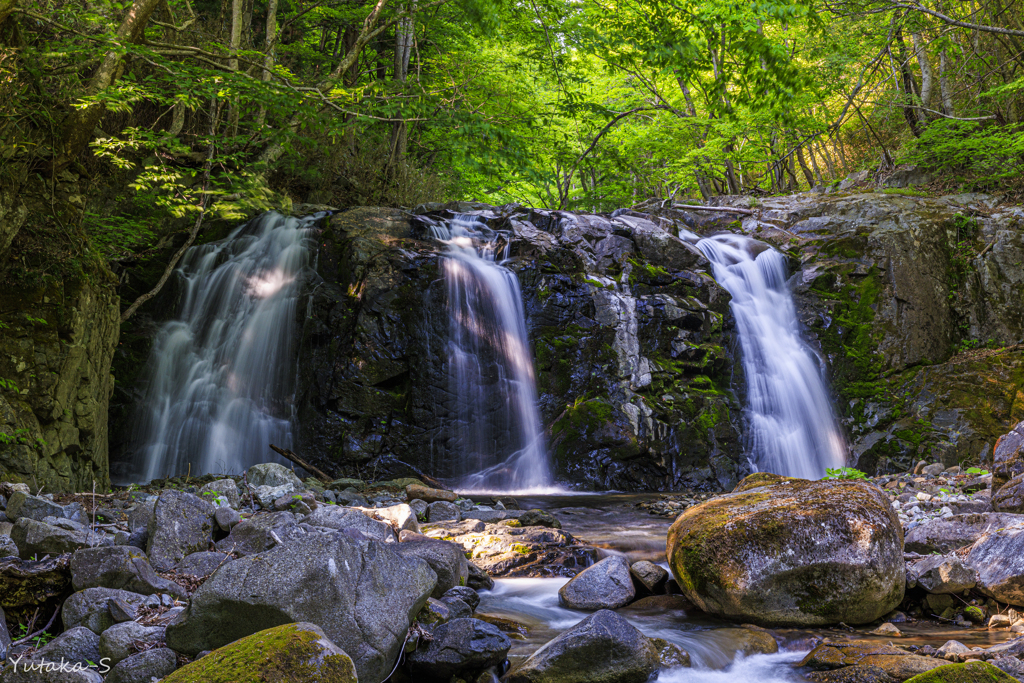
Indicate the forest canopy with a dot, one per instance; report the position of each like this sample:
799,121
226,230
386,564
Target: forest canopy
233,105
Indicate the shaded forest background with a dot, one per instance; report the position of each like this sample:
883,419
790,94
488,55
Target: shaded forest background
167,111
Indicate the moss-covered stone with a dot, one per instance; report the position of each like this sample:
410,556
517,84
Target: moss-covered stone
293,653
794,552
971,672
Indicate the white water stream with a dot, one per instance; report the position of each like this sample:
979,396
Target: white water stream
497,430
792,429
712,645
220,381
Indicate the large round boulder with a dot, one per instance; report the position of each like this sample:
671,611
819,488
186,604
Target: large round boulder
791,552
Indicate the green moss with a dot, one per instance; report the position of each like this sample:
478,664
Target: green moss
852,340
283,654
971,672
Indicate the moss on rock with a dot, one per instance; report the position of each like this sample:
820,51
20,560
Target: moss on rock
792,552
292,653
971,672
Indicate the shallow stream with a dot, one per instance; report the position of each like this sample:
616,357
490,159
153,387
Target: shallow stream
612,522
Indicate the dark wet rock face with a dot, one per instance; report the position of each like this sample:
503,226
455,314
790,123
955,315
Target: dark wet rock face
646,343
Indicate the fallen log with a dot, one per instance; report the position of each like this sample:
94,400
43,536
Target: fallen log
301,463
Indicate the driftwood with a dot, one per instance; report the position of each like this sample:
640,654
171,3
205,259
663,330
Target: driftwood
301,463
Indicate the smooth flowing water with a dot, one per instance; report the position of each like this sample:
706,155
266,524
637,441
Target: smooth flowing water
497,428
219,385
792,429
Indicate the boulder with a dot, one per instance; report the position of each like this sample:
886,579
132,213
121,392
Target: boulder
1008,457
943,574
201,564
36,539
362,593
333,517
225,490
971,672
400,517
267,496
226,518
539,518
946,535
75,645
273,475
457,608
793,552
479,579
429,495
464,593
860,655
8,548
144,667
119,566
22,505
1010,498
605,585
603,648
998,559
256,534
648,577
292,653
121,641
446,559
461,647
661,248
442,511
91,607
181,524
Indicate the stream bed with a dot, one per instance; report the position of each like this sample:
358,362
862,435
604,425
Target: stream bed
612,522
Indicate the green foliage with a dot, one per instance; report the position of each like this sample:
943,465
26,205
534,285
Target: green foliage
844,473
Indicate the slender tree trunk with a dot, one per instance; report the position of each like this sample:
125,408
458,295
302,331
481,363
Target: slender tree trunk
233,47
799,154
920,47
78,128
268,58
403,51
945,92
910,112
814,164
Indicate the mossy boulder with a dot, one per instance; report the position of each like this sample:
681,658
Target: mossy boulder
293,653
796,553
971,672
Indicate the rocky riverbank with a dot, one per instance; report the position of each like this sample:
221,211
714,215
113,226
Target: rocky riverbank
196,580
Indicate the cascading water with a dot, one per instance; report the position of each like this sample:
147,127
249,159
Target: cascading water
497,429
793,431
219,385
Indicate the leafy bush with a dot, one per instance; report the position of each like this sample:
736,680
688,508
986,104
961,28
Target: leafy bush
843,473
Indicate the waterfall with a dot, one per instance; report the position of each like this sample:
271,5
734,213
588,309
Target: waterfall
219,385
496,430
793,431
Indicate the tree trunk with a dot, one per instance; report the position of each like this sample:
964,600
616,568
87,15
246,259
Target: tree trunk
78,128
920,48
268,58
799,154
945,92
910,112
403,51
